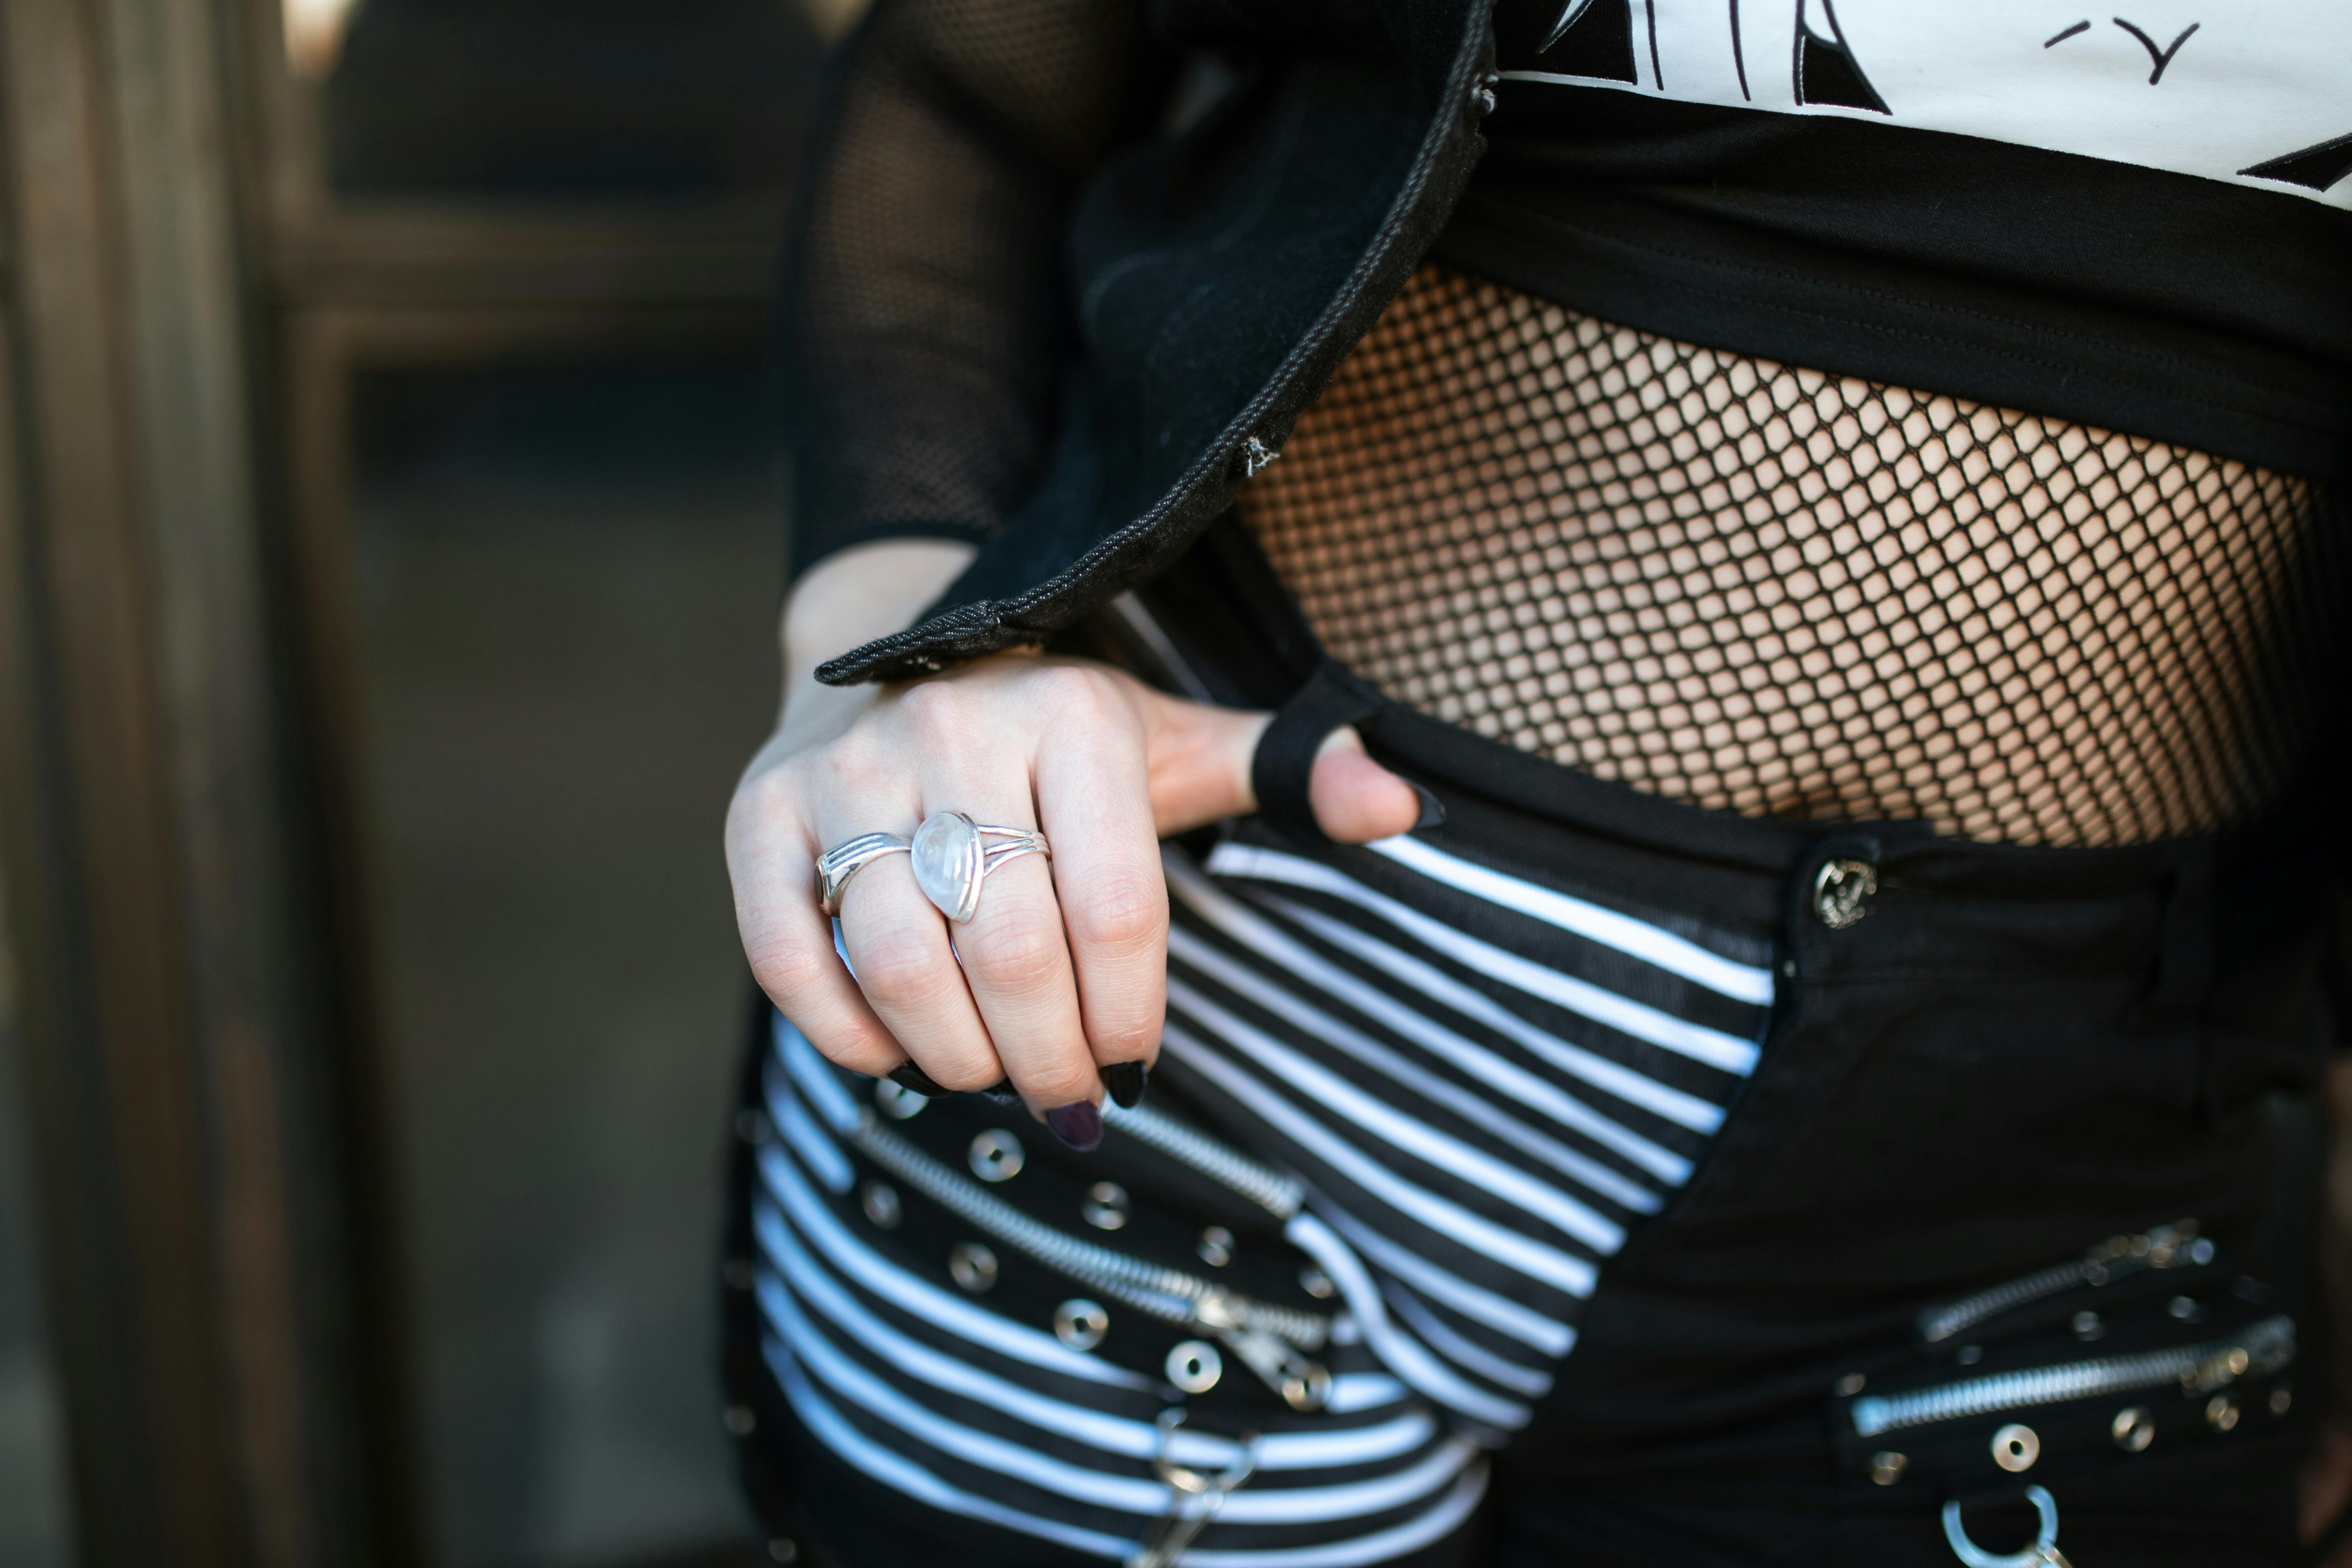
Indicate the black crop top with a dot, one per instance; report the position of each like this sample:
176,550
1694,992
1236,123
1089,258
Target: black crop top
2143,224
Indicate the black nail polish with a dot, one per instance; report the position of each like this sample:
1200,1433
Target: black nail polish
1002,1092
1079,1125
915,1081
1433,810
1127,1081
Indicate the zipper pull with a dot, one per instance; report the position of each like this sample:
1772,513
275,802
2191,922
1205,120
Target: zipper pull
1197,1497
1304,1384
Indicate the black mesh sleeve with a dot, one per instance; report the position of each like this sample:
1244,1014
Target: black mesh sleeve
924,321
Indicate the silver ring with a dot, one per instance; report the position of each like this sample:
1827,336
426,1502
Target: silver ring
845,859
953,856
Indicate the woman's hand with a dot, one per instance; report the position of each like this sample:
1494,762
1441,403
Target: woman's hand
1063,969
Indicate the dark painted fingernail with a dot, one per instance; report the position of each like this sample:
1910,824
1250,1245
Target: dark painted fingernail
1433,810
1126,1083
1079,1125
1002,1092
914,1080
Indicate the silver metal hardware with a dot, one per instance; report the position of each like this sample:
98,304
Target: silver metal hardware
1107,1207
2185,1308
1841,892
1194,1497
1484,95
995,1156
1194,1366
973,1267
1256,457
1272,1191
2015,1447
2133,1428
2198,1371
2221,1413
2043,1553
2089,1326
1080,1323
896,1100
1216,1246
2166,1246
1316,1283
2282,1400
1852,1383
880,1202
1969,1355
1304,1384
1886,1468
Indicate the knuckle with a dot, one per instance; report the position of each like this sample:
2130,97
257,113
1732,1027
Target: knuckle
963,1071
1017,954
937,710
1120,914
787,971
896,966
1062,1082
1080,695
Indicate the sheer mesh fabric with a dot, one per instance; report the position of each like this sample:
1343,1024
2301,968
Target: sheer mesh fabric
1756,587
926,328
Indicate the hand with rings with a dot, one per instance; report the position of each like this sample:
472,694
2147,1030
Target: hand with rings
989,841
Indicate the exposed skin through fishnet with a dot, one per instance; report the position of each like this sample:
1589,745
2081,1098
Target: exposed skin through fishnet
1748,586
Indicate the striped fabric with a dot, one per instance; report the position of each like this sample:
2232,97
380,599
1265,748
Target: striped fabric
1481,1083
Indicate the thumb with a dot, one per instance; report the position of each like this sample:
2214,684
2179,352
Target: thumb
1356,800
1200,771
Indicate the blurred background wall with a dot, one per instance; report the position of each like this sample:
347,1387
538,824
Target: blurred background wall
390,549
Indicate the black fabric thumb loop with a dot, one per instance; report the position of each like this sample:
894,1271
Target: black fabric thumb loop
1285,759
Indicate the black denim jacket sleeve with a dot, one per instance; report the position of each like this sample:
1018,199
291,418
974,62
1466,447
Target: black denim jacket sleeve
1026,306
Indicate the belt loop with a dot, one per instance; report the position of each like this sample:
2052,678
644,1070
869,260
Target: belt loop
1284,758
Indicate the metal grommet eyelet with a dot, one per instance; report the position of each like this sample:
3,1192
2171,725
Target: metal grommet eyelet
2015,1447
2133,1428
1887,1468
1194,1366
1841,892
1216,1246
896,1100
1080,1323
1107,1207
972,1266
2221,1413
995,1156
880,1201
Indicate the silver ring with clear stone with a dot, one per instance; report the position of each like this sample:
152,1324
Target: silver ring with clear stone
845,859
953,856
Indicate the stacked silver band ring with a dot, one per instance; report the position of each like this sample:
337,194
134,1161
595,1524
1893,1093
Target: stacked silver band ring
953,856
844,860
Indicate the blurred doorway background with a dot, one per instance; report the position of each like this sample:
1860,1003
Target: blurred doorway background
359,1133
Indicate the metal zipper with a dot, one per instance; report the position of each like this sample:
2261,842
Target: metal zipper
1270,1340
2255,1352
2166,1246
1278,1194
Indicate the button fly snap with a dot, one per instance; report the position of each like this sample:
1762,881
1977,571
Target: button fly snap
1841,892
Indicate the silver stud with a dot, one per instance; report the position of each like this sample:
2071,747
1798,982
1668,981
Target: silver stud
2184,1309
2201,1251
896,1100
2132,1429
1887,1468
2282,1400
1850,1384
2015,1447
1194,1366
995,1156
1216,1246
1841,892
880,1202
1969,1355
1107,1208
739,1420
972,1266
1316,1283
1080,1323
2221,1413
2089,1326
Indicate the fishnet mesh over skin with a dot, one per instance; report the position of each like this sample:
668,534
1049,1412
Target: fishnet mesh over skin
1748,586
